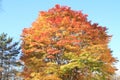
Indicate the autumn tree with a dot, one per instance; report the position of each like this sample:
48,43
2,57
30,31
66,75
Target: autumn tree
9,51
63,45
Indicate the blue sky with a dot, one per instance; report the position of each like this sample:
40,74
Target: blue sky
18,14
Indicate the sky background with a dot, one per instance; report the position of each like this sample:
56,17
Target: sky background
15,15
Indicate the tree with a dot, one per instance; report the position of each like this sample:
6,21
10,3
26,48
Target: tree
8,57
63,45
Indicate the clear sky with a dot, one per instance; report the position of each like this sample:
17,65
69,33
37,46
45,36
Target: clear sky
18,14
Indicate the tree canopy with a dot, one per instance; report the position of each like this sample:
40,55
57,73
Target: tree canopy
63,45
9,52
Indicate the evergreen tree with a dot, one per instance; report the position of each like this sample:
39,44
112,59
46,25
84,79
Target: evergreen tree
9,53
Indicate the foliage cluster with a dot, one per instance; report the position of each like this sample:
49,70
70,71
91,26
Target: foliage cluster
9,63
63,45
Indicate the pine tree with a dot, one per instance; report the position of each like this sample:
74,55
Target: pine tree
9,52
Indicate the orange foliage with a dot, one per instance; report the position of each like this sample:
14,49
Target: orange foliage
61,31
